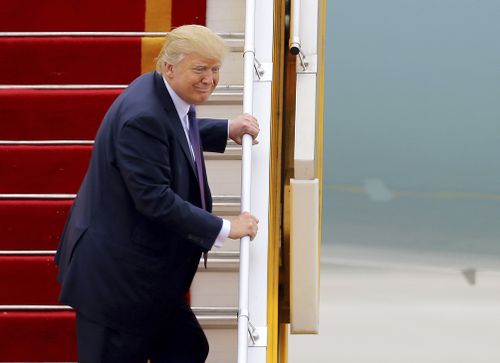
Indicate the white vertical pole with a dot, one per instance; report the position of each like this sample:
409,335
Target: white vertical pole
294,42
246,170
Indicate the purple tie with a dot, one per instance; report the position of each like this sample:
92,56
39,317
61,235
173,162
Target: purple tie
194,138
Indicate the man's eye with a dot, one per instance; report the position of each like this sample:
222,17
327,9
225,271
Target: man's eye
216,69
199,69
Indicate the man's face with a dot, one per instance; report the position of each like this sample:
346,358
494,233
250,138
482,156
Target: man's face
194,78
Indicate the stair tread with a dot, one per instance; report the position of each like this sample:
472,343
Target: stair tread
50,169
69,15
50,336
56,60
36,224
36,169
32,279
78,60
29,113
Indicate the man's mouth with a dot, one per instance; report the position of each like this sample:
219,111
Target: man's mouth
205,93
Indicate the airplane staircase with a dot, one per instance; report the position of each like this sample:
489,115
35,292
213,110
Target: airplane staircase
61,66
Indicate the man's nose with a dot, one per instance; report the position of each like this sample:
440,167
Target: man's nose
210,77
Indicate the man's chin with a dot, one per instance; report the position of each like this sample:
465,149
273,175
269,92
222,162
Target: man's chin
203,97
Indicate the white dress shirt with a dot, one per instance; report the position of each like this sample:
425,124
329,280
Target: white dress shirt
182,108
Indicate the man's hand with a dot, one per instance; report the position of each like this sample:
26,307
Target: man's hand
241,125
244,225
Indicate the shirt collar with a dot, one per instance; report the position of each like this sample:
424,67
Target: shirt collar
181,106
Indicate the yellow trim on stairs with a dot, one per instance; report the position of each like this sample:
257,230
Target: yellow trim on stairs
150,47
158,15
158,19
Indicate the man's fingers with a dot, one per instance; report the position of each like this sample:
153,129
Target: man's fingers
252,222
244,224
241,125
253,231
251,125
253,228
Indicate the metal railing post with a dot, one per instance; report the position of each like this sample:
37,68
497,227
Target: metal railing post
294,42
249,57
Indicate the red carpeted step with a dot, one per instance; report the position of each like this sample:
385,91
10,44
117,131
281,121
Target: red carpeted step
69,60
28,280
99,15
32,224
72,15
194,13
42,169
41,336
34,114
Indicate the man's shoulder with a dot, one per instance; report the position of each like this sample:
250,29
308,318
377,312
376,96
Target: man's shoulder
140,97
140,101
143,83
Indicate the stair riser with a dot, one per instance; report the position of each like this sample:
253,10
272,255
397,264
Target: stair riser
60,170
30,114
224,176
31,280
82,60
37,337
96,15
32,224
51,337
33,169
215,288
63,15
223,345
226,15
232,69
53,114
37,224
224,111
28,280
85,60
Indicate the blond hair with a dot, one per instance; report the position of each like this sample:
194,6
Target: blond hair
190,39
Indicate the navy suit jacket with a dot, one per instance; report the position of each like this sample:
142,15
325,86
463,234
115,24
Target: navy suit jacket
133,240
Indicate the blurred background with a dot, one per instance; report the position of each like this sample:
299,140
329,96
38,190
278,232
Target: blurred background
411,189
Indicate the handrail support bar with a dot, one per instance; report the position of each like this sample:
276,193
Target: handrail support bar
249,65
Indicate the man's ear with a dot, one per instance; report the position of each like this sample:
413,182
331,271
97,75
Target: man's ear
168,70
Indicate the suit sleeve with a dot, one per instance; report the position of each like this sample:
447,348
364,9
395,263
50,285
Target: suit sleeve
142,154
213,134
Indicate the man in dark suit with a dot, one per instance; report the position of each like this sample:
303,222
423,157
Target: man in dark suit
142,217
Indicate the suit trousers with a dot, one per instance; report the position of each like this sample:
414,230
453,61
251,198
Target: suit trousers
179,340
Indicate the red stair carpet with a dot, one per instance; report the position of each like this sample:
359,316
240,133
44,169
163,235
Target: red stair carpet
54,91
51,114
42,169
32,224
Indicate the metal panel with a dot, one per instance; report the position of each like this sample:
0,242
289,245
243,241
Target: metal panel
305,127
304,256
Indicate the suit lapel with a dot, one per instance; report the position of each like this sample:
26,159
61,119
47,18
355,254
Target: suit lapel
176,124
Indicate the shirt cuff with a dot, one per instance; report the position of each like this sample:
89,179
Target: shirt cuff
223,234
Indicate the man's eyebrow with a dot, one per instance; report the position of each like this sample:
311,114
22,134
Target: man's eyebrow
206,66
